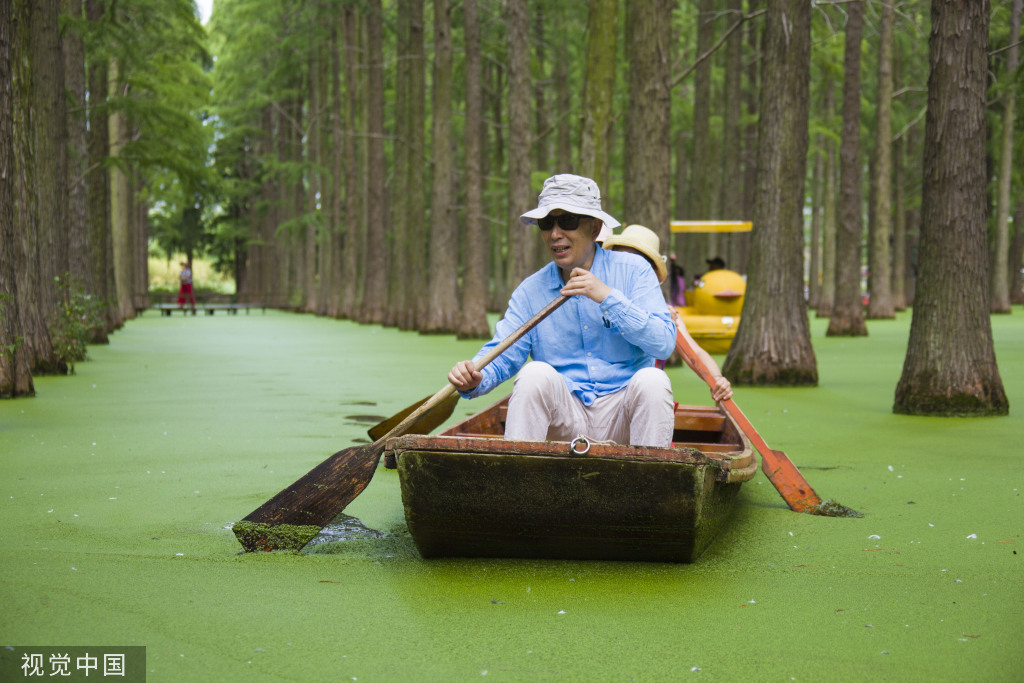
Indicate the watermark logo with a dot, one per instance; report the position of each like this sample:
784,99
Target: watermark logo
78,663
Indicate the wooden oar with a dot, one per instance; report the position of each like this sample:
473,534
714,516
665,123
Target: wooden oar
294,516
427,422
779,469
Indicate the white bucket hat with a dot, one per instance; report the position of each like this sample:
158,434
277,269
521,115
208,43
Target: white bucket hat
644,240
575,194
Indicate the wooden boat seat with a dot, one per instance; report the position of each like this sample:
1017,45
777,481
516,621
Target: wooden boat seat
699,418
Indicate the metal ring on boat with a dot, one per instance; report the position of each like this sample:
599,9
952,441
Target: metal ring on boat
578,439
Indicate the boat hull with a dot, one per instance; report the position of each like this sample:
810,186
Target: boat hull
507,505
484,496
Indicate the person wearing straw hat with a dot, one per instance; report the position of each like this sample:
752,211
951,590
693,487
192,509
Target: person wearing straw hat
592,369
642,241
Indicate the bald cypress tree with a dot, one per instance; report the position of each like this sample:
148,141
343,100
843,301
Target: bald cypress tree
598,90
472,322
648,166
950,367
378,216
1000,276
880,303
522,243
773,342
15,374
442,301
847,310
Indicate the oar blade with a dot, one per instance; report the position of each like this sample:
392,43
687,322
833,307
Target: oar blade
788,481
426,423
776,465
289,520
295,515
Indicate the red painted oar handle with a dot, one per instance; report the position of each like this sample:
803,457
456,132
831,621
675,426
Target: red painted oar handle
779,469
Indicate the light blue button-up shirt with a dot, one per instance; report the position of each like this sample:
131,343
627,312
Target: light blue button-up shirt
596,348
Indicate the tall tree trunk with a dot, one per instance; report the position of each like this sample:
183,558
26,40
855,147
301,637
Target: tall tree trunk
750,133
335,281
681,145
257,280
732,139
443,305
847,311
522,241
312,155
950,367
773,342
418,230
379,221
294,279
98,185
15,373
750,98
500,230
1000,284
648,169
50,151
880,302
120,209
77,152
1017,256
541,97
814,262
472,322
399,312
899,229
699,246
32,302
914,141
140,225
323,177
599,90
353,238
827,295
564,107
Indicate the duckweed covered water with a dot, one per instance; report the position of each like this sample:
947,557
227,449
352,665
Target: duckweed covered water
120,487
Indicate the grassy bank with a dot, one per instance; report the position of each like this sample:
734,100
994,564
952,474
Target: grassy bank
121,483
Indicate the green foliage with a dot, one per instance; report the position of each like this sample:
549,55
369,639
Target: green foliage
157,50
79,314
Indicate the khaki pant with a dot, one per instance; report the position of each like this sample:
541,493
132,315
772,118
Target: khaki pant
543,409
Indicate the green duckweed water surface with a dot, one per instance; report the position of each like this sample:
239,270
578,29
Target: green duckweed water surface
120,486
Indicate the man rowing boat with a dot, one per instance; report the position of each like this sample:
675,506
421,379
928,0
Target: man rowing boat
592,369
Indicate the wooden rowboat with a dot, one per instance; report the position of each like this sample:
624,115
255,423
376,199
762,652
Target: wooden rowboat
469,492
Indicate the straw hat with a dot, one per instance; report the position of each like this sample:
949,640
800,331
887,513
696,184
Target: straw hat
645,241
574,194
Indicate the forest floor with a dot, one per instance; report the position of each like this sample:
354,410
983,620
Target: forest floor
120,486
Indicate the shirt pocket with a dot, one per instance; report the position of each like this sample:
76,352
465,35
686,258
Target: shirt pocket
614,348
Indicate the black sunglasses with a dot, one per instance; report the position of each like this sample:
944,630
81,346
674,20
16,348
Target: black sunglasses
566,221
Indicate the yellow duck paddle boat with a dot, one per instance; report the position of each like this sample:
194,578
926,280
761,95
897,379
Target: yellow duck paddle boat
713,306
